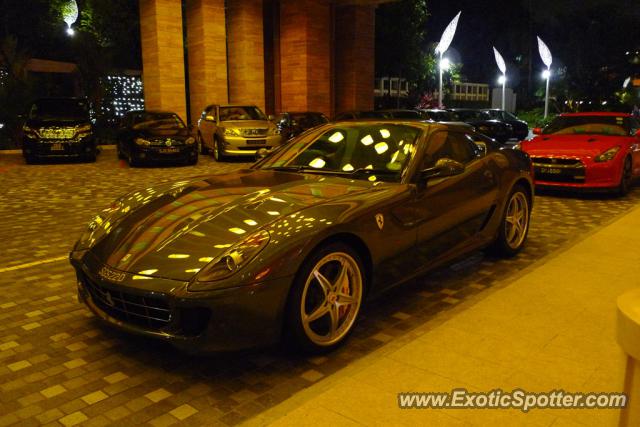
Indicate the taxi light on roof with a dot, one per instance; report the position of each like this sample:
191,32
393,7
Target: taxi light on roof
367,140
336,137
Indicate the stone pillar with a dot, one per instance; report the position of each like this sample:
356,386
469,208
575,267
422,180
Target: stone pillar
245,34
207,53
163,55
305,55
355,57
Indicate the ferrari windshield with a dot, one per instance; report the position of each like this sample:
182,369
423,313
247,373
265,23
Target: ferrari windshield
377,152
589,125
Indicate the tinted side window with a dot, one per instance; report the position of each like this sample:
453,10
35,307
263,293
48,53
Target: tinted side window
450,145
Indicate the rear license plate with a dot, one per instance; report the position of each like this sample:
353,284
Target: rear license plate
169,150
551,171
256,141
57,146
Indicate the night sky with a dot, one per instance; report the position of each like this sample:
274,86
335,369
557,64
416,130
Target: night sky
579,32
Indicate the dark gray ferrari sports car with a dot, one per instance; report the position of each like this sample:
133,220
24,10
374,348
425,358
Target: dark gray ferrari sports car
293,246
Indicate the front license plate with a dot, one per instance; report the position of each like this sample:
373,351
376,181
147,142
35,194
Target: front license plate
551,171
57,146
169,150
256,141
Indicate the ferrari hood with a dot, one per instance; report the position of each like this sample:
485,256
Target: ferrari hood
570,145
172,231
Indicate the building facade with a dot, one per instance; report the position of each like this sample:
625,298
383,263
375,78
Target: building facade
282,55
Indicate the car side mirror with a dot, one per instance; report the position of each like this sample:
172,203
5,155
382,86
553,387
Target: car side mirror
210,118
537,131
443,168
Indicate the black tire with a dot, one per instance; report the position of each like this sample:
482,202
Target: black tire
295,329
193,161
626,178
507,245
217,151
204,150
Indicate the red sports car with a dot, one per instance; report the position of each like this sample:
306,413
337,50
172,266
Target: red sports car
587,150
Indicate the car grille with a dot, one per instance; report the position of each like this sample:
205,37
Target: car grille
166,142
147,311
254,132
57,133
557,169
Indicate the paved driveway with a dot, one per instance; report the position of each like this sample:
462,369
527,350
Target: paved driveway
60,366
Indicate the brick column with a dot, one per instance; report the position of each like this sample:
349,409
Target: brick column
163,55
305,55
207,52
355,57
246,52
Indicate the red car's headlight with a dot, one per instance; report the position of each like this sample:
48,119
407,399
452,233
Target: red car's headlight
607,155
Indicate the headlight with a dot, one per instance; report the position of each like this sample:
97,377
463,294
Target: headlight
608,155
142,141
274,131
83,131
231,132
30,132
189,141
517,147
231,261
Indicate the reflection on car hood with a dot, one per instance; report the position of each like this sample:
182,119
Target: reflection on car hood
571,145
174,230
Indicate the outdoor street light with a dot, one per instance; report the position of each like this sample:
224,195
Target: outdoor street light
70,15
445,64
545,55
445,42
503,69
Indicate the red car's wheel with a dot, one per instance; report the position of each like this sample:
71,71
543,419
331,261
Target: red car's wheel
626,178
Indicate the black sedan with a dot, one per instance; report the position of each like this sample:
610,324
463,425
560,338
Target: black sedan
483,122
292,124
294,245
58,127
520,128
147,137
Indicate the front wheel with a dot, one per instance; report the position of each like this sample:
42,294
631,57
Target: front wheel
325,299
514,225
217,151
626,178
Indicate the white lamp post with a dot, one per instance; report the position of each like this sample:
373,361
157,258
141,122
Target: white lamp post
545,55
70,15
503,69
445,42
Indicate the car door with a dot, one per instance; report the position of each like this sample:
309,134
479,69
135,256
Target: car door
452,210
208,125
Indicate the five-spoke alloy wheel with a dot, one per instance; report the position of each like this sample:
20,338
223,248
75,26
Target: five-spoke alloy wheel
513,231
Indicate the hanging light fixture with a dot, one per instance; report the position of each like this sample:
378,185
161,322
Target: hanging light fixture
545,55
70,15
503,69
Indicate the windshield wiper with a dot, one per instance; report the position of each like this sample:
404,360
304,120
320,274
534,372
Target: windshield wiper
364,171
292,169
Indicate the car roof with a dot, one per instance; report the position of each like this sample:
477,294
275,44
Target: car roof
595,113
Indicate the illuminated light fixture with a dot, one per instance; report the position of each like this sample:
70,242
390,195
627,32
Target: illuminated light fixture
443,45
237,230
367,140
547,58
228,245
148,272
626,82
604,102
70,15
317,163
250,222
347,168
445,64
385,133
336,137
372,178
381,147
178,256
503,69
273,213
205,259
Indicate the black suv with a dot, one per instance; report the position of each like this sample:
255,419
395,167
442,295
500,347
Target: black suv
520,127
58,127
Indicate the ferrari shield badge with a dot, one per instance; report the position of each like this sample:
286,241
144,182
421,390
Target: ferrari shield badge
380,221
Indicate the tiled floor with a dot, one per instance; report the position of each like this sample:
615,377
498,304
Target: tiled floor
60,366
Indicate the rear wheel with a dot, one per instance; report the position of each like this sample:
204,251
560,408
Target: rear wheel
626,179
514,225
325,299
